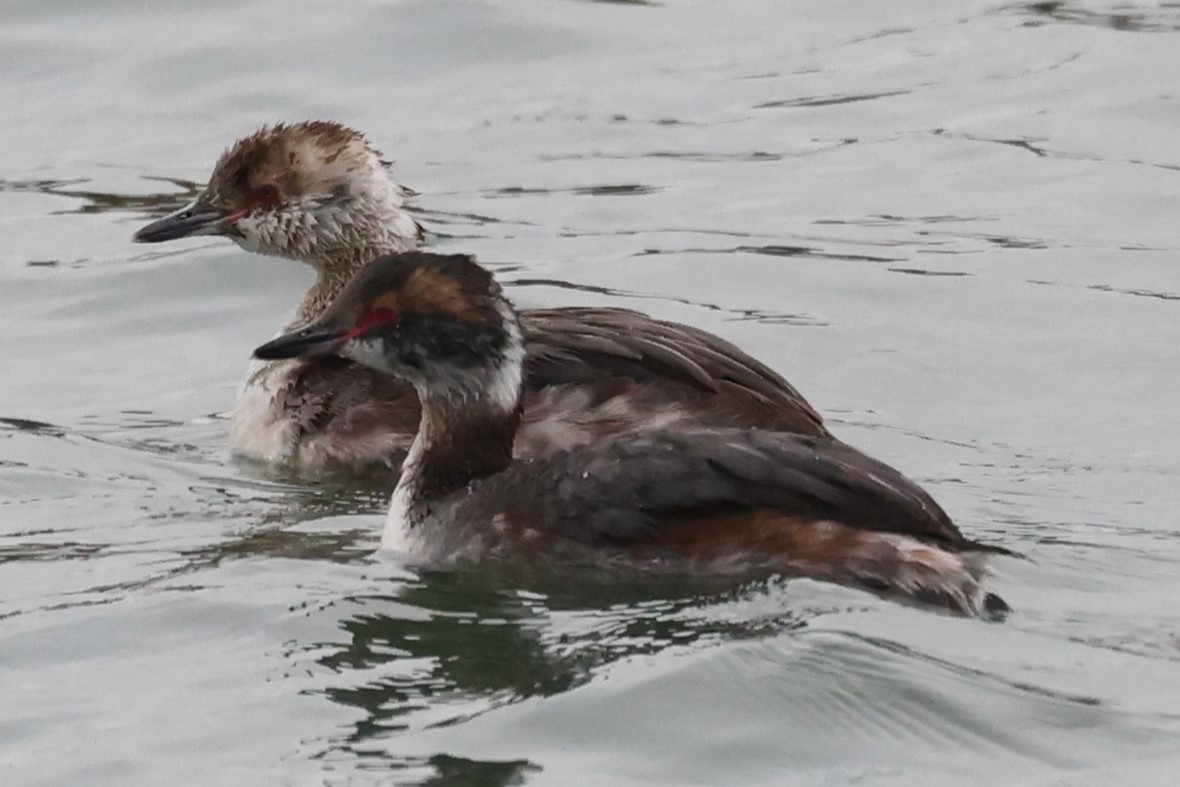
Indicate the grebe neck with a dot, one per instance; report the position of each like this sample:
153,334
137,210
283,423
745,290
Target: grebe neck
457,445
469,421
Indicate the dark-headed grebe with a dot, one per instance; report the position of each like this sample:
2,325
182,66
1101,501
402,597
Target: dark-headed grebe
320,193
719,498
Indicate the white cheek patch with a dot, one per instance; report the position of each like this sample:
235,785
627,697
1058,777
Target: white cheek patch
248,235
367,352
285,232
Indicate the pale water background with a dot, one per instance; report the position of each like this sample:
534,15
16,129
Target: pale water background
954,225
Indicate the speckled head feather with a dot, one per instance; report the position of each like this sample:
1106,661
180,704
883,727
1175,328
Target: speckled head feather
315,191
296,159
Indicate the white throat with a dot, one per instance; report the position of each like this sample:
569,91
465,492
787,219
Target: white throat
404,523
409,514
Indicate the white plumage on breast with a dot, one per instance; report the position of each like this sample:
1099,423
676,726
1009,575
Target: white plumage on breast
260,427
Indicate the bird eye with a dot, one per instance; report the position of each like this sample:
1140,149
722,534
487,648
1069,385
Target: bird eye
264,195
374,318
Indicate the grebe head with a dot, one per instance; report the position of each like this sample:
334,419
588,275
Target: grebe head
314,191
440,322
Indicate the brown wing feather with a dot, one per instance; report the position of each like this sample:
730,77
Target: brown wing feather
693,368
628,488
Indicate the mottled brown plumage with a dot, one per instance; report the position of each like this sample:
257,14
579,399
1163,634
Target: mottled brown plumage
670,496
318,192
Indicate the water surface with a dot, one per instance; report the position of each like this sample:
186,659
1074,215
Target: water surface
952,226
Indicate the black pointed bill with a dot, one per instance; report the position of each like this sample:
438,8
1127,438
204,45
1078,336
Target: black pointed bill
193,220
301,344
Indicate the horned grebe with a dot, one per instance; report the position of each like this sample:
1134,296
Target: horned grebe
319,193
720,498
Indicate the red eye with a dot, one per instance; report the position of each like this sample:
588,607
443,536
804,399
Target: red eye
264,195
372,319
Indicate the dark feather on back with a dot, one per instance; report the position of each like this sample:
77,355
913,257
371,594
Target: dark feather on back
626,488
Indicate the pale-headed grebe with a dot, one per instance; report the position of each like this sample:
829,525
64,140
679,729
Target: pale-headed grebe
319,193
718,498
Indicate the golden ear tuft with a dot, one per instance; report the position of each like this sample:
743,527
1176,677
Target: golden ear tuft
388,300
431,291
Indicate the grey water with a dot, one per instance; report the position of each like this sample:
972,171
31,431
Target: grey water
952,225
